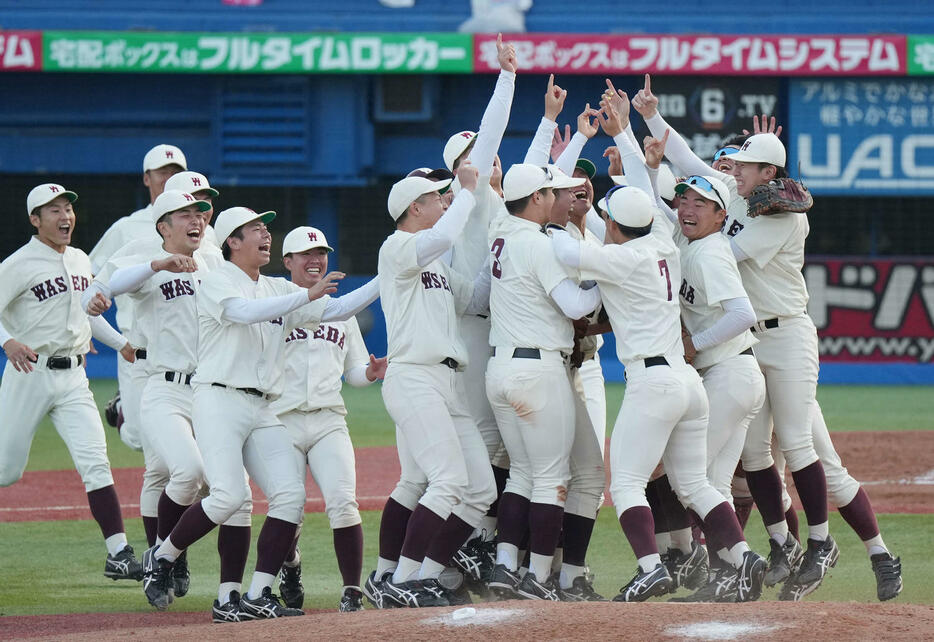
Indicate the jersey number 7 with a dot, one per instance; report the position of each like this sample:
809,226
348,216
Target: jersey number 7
663,270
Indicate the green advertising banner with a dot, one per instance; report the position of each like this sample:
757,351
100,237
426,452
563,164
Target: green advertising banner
920,55
116,51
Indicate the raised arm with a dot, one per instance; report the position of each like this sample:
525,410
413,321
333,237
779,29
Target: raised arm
432,243
539,150
496,117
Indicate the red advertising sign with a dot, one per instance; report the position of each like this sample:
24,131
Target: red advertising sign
873,310
802,55
20,50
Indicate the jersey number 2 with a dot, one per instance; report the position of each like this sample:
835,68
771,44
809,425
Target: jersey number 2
663,270
497,249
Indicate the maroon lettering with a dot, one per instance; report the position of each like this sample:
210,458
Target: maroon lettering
277,321
663,271
319,332
333,334
497,249
340,344
53,189
39,291
735,228
687,291
196,181
168,290
60,283
426,280
312,236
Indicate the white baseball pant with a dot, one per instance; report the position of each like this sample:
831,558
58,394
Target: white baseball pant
475,333
26,397
412,481
588,477
322,441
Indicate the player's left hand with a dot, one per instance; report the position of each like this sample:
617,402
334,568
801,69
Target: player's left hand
554,99
767,126
98,305
377,368
559,143
689,350
20,355
128,352
616,161
506,55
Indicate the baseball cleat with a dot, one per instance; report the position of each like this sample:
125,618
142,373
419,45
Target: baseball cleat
721,588
688,569
645,585
181,576
581,590
749,581
504,583
157,579
373,590
266,606
783,560
820,557
351,600
290,586
123,566
531,589
229,612
416,593
888,572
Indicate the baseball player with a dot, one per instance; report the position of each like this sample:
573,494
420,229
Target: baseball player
243,319
664,412
532,302
198,186
312,410
45,335
423,389
159,163
164,288
770,253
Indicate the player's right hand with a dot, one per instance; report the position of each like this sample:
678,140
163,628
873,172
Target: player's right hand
467,174
506,55
327,285
176,263
645,102
20,355
554,99
98,305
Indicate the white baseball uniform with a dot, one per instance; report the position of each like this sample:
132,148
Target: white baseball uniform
313,411
734,384
423,389
40,306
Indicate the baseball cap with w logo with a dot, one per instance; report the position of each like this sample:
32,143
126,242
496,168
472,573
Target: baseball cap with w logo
162,155
171,200
46,193
304,238
190,182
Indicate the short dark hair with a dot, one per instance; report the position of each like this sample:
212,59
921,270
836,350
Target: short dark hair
460,159
162,219
734,139
780,172
634,232
225,249
518,205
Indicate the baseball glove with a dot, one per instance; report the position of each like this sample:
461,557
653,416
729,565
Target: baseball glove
779,195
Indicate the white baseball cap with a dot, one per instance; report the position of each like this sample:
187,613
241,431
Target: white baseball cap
190,182
619,180
761,148
406,191
171,200
665,182
523,179
162,155
456,145
630,206
46,193
304,238
233,217
707,186
561,180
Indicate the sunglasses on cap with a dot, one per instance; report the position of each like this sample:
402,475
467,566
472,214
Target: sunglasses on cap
548,173
701,182
724,151
609,193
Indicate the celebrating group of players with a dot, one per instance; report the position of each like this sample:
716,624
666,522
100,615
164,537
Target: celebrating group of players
495,290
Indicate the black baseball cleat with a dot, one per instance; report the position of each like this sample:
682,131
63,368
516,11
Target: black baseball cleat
112,411
749,580
266,606
416,593
531,589
230,611
721,588
290,586
181,576
784,560
645,585
888,572
157,579
504,583
819,558
123,565
581,590
373,590
351,600
688,569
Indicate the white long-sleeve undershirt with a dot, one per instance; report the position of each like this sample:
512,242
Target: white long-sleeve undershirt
574,301
739,317
493,124
432,243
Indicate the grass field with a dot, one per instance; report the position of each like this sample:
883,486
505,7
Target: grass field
56,566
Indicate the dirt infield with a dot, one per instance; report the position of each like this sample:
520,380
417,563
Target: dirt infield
513,621
895,467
